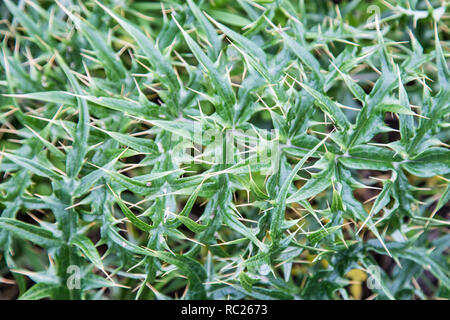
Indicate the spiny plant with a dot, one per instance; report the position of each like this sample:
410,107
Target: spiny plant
109,186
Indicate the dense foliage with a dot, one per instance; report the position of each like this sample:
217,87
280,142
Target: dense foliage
116,117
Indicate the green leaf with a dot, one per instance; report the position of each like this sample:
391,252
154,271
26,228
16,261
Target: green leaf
246,281
213,38
76,155
222,86
26,21
191,224
431,162
280,204
445,198
40,291
58,97
163,68
396,108
303,54
232,222
130,215
192,268
114,68
382,200
131,107
26,231
133,185
247,45
369,157
230,18
329,107
318,183
316,236
139,144
424,259
33,166
87,247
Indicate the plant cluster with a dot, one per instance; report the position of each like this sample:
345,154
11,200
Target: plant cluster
265,149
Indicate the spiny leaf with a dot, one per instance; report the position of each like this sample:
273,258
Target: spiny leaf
26,231
225,108
130,215
162,66
76,155
39,291
87,247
